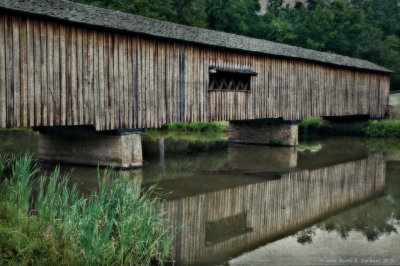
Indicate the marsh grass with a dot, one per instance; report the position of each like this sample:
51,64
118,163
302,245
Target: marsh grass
43,221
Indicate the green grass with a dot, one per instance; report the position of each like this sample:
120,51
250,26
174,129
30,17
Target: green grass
384,129
154,134
381,129
119,224
314,126
27,129
198,126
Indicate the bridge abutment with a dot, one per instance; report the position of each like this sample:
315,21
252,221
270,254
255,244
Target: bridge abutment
89,147
264,132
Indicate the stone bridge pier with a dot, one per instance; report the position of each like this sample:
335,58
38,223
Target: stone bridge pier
264,132
85,146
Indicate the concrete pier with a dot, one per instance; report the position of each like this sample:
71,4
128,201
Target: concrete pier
264,132
89,147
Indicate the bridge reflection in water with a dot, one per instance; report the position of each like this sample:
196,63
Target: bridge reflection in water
220,224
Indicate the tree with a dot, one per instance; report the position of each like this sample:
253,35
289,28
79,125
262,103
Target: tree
279,29
191,12
235,16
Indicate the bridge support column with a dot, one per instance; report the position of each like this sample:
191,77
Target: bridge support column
264,132
77,146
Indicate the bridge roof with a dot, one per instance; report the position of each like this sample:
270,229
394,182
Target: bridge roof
99,17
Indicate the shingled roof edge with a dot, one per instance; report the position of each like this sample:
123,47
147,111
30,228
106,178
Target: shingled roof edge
95,16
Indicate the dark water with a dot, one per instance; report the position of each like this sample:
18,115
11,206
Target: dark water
329,201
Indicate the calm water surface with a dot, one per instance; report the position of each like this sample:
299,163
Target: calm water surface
331,201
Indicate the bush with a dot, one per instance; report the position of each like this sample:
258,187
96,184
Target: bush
197,126
116,225
311,125
384,129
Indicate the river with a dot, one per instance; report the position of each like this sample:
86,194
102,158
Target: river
330,201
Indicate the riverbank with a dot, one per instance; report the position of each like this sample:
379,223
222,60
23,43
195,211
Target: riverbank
312,126
43,221
381,129
221,126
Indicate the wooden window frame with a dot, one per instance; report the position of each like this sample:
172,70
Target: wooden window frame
233,80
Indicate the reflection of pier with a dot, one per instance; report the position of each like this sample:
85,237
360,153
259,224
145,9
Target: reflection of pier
258,157
223,223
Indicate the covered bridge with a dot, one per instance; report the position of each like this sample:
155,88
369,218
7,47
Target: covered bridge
65,64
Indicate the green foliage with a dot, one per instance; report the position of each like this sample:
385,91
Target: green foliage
197,126
314,126
189,136
119,224
385,129
278,29
191,12
310,125
235,16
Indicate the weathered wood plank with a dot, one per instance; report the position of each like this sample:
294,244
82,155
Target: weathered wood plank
135,81
86,78
23,73
74,78
147,87
56,76
3,67
125,84
96,78
168,82
130,87
69,70
61,99
50,74
139,72
100,114
106,58
79,75
37,73
111,100
43,62
16,57
117,85
90,88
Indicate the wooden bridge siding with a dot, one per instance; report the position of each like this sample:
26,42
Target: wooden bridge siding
59,74
309,196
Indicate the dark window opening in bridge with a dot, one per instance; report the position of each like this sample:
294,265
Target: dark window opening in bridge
223,79
226,228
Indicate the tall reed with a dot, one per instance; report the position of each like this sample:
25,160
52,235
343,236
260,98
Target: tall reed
118,224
